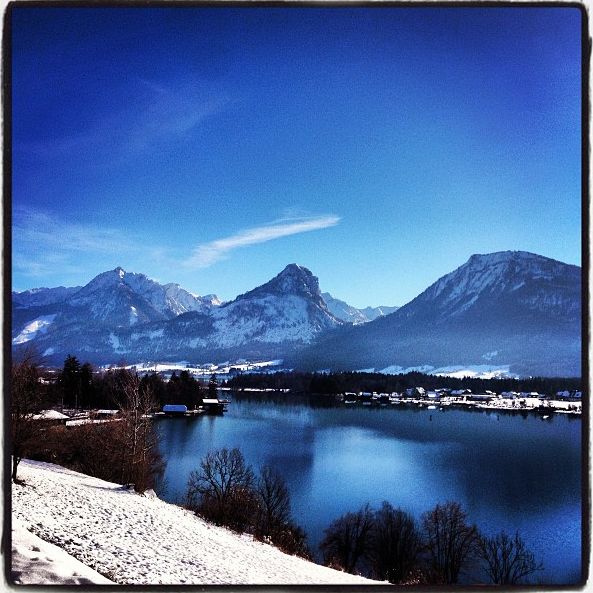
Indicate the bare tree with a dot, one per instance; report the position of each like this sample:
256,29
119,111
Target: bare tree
507,560
274,502
395,544
450,542
141,461
25,402
222,489
346,540
273,518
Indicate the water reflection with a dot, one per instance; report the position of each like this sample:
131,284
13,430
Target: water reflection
509,470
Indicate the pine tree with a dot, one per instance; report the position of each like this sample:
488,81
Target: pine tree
70,381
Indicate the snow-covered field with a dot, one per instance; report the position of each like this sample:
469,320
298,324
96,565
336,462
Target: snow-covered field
480,371
134,539
204,370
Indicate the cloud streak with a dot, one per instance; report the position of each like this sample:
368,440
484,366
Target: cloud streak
43,243
207,254
154,116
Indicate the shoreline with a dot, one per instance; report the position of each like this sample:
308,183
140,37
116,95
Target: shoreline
529,405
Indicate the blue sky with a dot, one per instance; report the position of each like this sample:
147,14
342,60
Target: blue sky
379,147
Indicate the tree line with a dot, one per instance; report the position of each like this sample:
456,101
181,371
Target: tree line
123,451
80,386
342,382
386,544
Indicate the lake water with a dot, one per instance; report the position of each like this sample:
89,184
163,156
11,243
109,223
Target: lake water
508,471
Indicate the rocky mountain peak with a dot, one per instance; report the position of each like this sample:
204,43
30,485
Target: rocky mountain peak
293,280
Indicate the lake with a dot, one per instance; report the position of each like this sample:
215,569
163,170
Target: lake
508,471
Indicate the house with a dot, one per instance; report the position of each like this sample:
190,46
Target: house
51,418
213,406
459,392
480,396
510,394
174,409
106,414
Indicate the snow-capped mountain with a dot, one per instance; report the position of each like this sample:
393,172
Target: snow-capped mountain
509,308
287,308
83,319
350,314
372,313
125,315
270,320
123,298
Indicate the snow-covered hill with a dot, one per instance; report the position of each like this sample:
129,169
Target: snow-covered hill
141,540
122,298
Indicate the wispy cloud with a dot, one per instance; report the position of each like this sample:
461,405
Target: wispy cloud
207,254
42,243
154,114
171,111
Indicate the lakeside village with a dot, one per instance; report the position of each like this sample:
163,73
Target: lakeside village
223,379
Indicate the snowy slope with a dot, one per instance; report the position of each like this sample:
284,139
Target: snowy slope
342,310
109,291
288,308
37,562
136,539
34,328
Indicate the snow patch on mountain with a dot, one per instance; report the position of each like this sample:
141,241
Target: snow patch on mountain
116,344
480,371
395,369
34,328
271,319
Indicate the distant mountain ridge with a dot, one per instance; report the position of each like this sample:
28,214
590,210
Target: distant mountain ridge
346,312
513,308
125,315
509,308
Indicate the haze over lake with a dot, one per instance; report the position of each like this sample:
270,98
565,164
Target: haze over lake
509,471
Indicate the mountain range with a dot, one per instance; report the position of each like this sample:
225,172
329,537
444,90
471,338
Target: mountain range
508,308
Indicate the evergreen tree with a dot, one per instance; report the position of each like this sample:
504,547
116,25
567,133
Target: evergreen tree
70,382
